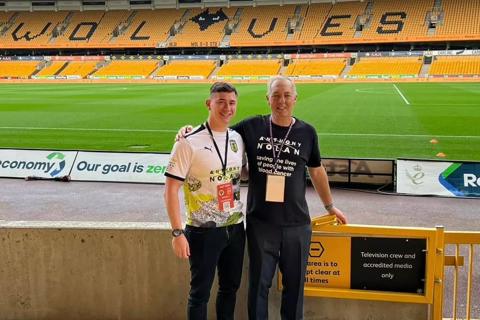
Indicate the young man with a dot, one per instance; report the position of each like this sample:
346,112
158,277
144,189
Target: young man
208,163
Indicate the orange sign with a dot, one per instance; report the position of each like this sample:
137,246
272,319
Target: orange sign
329,262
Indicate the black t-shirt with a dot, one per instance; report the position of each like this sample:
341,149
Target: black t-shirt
299,151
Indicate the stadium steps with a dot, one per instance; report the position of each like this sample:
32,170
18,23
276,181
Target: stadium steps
365,19
59,30
40,66
238,14
346,71
225,43
213,75
300,20
425,70
184,20
98,67
176,30
166,43
154,72
9,24
157,69
62,68
123,26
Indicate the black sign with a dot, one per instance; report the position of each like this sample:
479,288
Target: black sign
205,19
388,264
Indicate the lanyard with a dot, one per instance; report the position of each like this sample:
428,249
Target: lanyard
277,156
224,164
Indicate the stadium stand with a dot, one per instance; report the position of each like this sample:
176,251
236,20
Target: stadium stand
17,69
461,18
465,66
394,20
91,29
250,68
204,27
187,68
4,19
262,25
315,13
148,28
310,29
51,69
31,29
136,68
79,69
387,66
340,22
375,21
316,67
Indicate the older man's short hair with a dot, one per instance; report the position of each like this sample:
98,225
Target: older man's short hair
272,80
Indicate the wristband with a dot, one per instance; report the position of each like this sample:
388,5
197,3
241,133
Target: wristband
329,207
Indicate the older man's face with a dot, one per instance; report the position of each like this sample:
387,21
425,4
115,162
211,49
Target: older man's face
282,99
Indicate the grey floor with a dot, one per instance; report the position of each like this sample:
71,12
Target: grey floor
120,202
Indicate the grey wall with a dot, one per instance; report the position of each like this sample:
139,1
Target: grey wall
125,271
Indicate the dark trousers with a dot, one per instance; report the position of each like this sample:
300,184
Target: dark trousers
268,246
211,248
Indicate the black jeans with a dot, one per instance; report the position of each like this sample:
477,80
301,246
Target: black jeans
210,248
269,245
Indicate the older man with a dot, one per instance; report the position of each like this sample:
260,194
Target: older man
279,149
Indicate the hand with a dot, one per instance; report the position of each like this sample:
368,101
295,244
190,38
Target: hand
180,247
183,131
339,214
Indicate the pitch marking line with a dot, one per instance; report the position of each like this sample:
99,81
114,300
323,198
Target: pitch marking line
394,135
175,131
375,91
401,94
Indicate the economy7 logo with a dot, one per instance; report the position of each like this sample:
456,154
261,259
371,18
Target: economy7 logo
61,164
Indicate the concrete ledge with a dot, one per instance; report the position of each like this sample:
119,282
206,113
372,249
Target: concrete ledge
101,270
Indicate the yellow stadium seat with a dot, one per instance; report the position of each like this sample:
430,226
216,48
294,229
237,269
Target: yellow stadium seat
387,66
250,68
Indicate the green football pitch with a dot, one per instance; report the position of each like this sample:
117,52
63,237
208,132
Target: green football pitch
355,120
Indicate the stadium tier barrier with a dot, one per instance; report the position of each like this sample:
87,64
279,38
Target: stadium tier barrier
338,67
105,270
100,270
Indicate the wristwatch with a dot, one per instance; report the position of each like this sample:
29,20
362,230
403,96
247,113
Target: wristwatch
177,232
329,207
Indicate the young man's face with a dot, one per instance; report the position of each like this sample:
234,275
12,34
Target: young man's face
222,107
282,99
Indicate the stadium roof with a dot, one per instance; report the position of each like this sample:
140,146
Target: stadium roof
50,5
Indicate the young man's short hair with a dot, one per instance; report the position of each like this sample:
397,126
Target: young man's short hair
222,87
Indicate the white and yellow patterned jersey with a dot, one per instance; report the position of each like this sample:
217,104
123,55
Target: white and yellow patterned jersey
195,161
